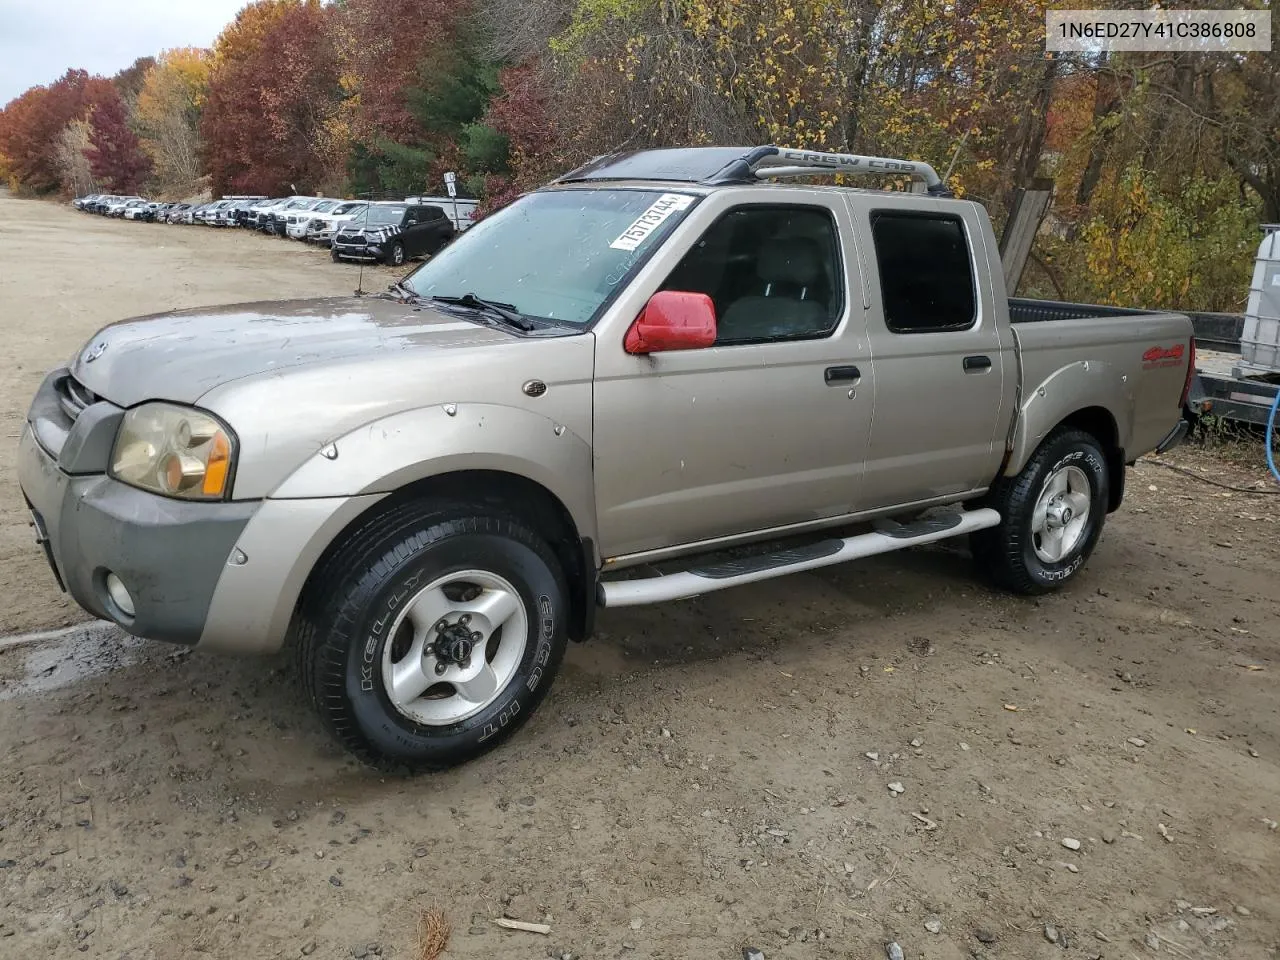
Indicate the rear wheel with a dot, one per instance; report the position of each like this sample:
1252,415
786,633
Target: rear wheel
432,634
1053,513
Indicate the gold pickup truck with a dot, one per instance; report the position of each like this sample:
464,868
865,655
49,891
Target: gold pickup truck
666,373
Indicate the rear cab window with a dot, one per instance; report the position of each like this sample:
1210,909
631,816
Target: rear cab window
926,271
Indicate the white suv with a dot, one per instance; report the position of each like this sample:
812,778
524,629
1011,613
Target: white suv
298,219
322,227
117,207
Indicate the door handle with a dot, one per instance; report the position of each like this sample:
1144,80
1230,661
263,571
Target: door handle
842,374
976,364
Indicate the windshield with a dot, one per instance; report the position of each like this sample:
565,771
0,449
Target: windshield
378,214
349,208
325,206
557,254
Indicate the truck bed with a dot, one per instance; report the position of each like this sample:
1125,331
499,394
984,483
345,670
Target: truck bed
1221,387
1116,341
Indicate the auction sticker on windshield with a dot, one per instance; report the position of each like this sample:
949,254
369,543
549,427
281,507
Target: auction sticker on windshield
651,219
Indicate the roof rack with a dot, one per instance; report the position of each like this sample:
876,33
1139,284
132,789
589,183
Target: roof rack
718,166
771,162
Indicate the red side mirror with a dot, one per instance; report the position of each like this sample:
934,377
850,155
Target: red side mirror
673,320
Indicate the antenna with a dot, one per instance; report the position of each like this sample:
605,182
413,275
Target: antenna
364,226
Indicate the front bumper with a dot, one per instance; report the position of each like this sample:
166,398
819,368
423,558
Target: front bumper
359,251
168,553
225,576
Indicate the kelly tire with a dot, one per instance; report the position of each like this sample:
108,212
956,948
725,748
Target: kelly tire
1052,514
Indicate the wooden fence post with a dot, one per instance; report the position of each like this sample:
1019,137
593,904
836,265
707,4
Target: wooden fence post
1030,205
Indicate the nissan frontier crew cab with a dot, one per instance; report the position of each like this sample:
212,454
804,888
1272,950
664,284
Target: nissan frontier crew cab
663,374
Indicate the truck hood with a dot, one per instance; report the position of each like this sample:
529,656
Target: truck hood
183,354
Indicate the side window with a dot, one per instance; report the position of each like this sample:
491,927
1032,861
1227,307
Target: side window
430,214
773,272
926,272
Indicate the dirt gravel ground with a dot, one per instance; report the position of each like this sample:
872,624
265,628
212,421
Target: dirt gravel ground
1094,774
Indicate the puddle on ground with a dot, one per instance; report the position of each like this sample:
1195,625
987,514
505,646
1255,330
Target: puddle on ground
52,664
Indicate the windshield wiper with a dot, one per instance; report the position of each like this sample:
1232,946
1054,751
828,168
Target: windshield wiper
504,311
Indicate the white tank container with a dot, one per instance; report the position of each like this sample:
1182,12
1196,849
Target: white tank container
1260,339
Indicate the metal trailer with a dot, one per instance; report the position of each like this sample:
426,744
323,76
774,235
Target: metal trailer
1225,385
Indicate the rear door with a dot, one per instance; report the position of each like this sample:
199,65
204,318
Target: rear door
436,229
445,228
945,368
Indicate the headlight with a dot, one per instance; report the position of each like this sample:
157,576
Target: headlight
174,451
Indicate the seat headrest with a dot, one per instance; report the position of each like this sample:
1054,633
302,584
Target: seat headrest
792,260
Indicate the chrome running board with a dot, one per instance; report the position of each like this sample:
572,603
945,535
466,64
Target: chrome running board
888,536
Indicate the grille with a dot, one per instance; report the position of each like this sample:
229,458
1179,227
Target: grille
74,396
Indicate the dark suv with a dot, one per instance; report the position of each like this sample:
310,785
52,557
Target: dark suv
391,233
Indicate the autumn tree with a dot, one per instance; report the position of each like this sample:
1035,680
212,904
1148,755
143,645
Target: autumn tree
520,114
129,81
273,87
115,153
410,91
31,125
168,111
1243,93
74,169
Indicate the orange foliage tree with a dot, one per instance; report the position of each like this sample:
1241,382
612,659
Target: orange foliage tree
272,88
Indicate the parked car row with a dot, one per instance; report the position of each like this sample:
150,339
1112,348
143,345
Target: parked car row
380,231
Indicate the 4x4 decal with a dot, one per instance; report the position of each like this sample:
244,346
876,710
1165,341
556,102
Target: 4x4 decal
1163,357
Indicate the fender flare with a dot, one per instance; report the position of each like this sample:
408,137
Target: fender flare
1068,390
387,454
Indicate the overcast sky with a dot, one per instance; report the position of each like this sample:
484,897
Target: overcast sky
41,39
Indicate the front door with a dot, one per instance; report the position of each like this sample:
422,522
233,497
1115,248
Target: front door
412,232
765,428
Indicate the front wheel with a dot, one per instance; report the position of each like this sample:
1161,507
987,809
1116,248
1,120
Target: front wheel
432,634
1053,512
395,256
